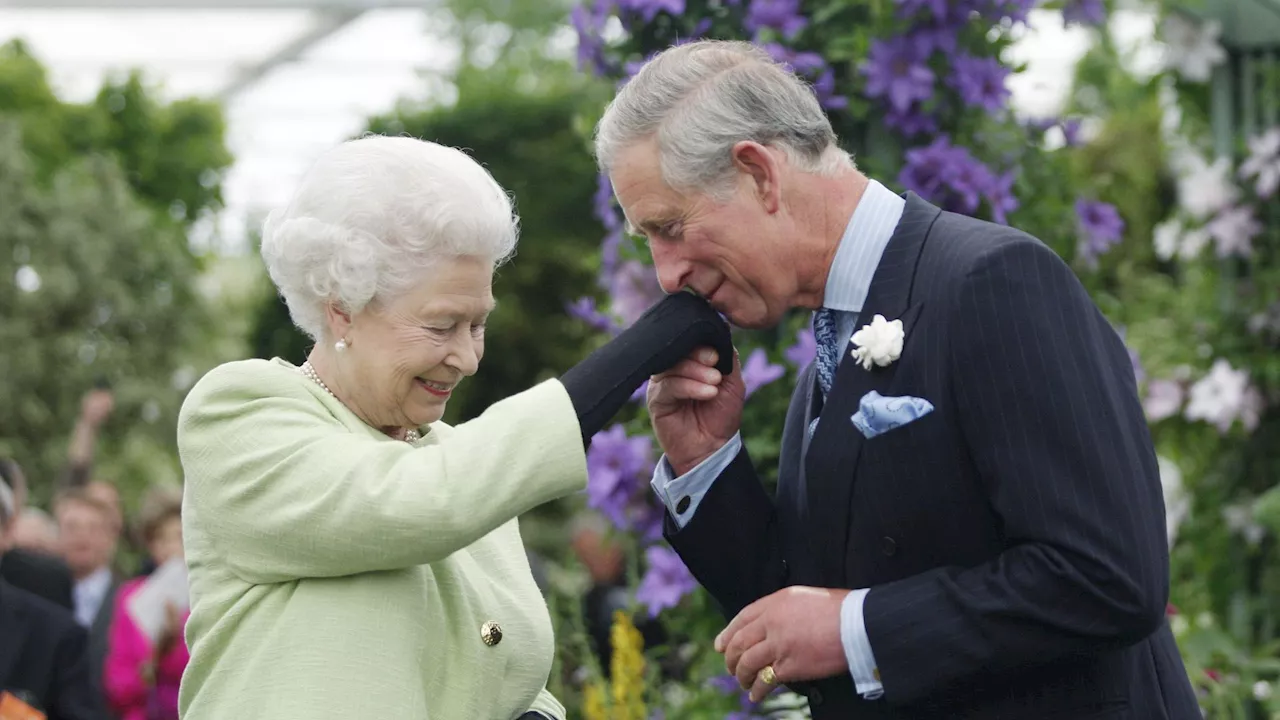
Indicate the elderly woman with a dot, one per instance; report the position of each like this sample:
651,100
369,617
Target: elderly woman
350,555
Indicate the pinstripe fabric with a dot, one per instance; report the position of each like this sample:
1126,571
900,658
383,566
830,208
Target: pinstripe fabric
1012,540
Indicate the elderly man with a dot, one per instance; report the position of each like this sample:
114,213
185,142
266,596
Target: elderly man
968,520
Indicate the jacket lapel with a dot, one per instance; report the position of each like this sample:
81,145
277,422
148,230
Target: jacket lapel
836,445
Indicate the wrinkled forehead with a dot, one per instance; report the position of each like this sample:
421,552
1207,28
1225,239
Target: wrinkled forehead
646,200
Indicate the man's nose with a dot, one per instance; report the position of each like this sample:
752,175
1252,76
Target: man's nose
673,272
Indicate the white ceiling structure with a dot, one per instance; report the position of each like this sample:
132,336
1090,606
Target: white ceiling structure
298,76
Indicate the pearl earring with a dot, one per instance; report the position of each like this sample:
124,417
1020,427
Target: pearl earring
341,345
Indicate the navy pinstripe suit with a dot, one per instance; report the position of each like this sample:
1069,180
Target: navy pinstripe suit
1013,539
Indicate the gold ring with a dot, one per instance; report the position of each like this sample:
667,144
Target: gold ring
767,676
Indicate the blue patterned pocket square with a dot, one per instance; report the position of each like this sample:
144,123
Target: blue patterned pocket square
878,414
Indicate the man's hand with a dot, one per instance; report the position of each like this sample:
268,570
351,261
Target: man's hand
695,409
796,630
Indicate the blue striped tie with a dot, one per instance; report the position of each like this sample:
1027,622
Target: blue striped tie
824,333
828,357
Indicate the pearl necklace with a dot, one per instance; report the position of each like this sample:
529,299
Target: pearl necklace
410,436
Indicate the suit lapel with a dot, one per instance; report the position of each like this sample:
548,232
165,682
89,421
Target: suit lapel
833,452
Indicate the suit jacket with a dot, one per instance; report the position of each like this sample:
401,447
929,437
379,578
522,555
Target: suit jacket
336,572
39,574
42,657
1013,539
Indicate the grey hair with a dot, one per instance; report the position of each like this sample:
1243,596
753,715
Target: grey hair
372,215
699,99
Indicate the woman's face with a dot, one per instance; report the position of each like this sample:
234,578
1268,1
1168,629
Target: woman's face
405,357
166,543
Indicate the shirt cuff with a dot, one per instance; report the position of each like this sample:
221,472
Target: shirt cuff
681,495
857,646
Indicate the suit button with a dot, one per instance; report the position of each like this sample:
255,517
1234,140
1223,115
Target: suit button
786,570
491,633
683,505
888,546
815,697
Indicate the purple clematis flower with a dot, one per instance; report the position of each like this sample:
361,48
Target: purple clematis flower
812,66
589,21
895,71
938,8
584,309
781,15
757,371
666,580
804,351
980,81
634,289
648,9
1100,227
618,468
953,178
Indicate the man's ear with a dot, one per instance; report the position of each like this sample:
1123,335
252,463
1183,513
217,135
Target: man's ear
762,166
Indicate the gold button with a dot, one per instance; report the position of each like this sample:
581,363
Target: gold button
491,633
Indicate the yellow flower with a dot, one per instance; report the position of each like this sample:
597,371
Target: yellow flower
593,702
627,668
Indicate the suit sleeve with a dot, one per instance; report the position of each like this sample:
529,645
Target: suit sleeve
731,544
1048,406
74,696
281,491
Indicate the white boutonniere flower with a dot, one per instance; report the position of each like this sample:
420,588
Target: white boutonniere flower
879,343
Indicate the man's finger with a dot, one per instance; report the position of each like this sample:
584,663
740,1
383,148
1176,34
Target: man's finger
753,661
680,389
743,640
742,619
690,369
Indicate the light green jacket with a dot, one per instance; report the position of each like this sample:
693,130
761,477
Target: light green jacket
339,573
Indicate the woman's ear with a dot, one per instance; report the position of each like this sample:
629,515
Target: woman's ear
338,321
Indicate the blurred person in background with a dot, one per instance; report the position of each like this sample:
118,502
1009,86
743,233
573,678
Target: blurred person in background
141,677
87,530
36,530
28,564
42,649
350,554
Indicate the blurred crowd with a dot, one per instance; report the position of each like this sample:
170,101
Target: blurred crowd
82,636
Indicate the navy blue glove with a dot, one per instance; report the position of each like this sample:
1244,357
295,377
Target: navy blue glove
668,333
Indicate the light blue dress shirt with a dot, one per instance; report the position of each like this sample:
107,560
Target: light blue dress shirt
848,281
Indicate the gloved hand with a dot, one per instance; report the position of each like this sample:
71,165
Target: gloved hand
666,334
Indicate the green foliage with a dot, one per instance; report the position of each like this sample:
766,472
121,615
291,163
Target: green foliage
172,154
100,282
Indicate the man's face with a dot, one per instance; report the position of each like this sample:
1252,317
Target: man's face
87,536
731,253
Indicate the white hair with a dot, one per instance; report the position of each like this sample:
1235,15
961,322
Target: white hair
372,215
699,99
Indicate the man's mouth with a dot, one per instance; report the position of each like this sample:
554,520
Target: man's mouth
435,388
